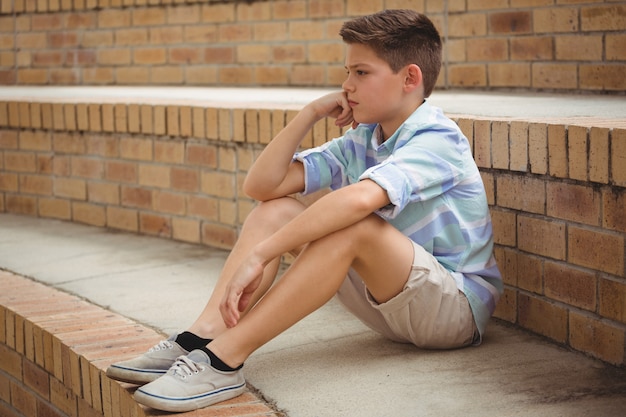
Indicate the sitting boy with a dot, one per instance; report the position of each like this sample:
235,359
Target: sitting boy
403,239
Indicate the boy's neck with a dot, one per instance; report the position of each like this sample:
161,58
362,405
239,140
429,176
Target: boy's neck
386,135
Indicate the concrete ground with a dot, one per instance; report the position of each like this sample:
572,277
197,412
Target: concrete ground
329,364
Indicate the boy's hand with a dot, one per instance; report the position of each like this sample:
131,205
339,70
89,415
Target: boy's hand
334,105
240,289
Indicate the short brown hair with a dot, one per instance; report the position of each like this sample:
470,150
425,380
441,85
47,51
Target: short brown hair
399,37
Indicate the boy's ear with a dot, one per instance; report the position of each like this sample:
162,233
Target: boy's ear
413,77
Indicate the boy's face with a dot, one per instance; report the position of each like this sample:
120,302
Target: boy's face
374,92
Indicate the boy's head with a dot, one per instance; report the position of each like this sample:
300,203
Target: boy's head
400,38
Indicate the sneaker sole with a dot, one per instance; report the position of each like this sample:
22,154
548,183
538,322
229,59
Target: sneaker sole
182,404
133,376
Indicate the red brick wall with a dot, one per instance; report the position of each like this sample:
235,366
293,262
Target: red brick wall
489,44
557,192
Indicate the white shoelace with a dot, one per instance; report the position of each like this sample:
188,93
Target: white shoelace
162,345
184,367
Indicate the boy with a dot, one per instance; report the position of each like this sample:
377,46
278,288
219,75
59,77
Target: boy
404,239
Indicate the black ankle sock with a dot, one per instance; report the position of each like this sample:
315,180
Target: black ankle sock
190,341
217,363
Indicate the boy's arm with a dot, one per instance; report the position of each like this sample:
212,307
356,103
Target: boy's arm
274,174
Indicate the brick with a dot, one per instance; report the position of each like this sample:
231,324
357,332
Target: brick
542,237
55,208
185,179
536,48
602,77
271,31
467,25
309,75
23,400
500,147
234,32
149,56
136,149
510,22
577,144
172,152
69,143
46,115
167,202
218,184
62,398
37,379
154,224
555,76
509,75
603,340
482,143
35,115
599,155
10,361
530,272
121,171
21,204
543,317
159,126
82,117
228,159
506,308
615,47
133,75
34,141
518,138
24,114
611,299
579,48
154,175
166,35
94,112
128,37
237,76
555,20
613,203
185,121
203,207
103,192
603,18
70,187
20,161
578,203
538,148
570,285
102,145
87,213
133,118
557,151
504,227
218,236
35,184
87,167
596,249
121,218
136,197
460,75
219,55
146,115
186,230
521,193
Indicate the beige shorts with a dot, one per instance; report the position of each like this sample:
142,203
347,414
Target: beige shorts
430,312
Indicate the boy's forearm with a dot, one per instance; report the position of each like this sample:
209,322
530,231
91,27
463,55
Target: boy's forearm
335,211
271,167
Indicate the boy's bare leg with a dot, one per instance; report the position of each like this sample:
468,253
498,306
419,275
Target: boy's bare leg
264,220
380,254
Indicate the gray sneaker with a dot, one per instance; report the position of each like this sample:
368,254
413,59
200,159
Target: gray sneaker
149,366
191,383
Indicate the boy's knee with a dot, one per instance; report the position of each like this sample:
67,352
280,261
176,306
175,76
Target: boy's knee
280,210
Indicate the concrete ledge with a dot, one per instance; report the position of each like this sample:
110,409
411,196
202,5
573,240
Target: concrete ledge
54,351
